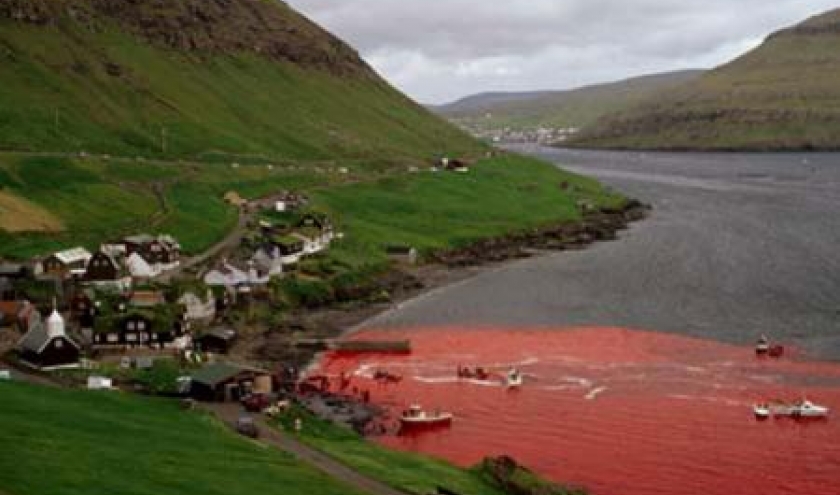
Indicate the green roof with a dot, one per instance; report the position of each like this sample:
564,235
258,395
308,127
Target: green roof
216,373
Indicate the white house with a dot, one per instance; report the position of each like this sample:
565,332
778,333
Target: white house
140,268
198,310
231,277
270,262
313,242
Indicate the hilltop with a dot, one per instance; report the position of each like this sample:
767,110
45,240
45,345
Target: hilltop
781,96
558,109
197,79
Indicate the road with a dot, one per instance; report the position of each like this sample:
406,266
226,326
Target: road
324,463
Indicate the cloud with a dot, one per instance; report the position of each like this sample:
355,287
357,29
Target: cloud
438,50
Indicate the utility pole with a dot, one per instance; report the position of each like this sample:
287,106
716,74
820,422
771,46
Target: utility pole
55,120
163,140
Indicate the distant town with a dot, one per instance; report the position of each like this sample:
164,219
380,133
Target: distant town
546,136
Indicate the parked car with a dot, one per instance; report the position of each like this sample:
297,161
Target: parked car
245,426
256,403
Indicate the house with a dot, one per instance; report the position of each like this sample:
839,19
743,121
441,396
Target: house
218,340
161,252
139,268
65,264
402,254
14,271
314,241
106,272
315,231
232,277
269,261
47,346
137,328
197,310
224,382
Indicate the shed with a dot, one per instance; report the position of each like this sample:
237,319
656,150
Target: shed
218,340
222,382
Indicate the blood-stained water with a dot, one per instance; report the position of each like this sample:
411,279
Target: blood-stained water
616,411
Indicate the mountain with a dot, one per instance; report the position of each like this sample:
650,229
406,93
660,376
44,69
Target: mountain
558,109
197,78
783,95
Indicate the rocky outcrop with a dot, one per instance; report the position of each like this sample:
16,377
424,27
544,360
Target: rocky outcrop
515,479
600,225
265,28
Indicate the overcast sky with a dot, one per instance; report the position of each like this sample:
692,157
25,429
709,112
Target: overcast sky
440,50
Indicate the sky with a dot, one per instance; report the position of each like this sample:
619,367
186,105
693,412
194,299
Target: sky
437,51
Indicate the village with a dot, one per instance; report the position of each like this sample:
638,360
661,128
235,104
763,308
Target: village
137,314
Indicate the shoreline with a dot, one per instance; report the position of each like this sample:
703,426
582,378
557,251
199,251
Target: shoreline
444,268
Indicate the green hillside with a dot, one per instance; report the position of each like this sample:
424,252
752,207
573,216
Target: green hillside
558,109
197,79
783,95
82,443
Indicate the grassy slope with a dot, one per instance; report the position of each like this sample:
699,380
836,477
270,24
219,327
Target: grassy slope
783,95
406,471
412,473
235,107
438,210
79,443
58,96
562,109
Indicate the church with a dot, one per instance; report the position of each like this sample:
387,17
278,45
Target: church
46,345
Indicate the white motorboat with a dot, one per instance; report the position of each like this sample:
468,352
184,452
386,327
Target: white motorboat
807,409
514,378
803,409
416,417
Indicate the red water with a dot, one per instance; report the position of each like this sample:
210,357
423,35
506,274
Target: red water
616,411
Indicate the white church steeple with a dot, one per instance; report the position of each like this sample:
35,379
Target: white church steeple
55,324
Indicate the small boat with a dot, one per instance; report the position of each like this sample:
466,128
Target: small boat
416,417
807,409
514,378
803,409
762,346
476,374
762,411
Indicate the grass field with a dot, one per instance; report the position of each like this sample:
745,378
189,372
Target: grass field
410,472
430,211
83,443
20,215
406,471
98,199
